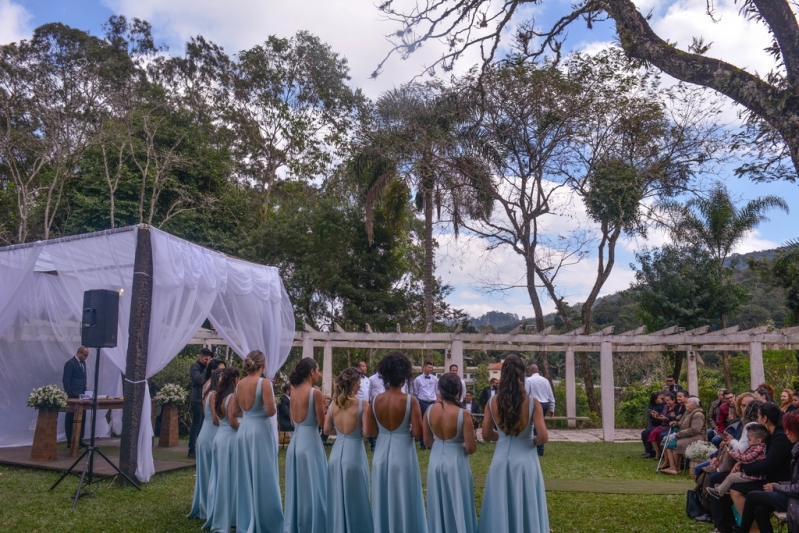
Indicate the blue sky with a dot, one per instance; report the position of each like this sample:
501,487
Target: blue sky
355,29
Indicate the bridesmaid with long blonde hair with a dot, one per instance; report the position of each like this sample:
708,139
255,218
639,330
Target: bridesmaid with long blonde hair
348,508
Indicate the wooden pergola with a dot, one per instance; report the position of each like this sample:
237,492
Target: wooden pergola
604,342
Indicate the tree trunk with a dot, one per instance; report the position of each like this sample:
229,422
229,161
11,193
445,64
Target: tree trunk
542,356
677,365
428,259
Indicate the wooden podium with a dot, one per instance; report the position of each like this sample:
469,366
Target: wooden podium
78,407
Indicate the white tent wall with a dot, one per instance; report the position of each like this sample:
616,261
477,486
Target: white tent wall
41,295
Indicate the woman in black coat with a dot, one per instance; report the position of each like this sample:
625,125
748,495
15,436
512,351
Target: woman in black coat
758,504
776,467
780,497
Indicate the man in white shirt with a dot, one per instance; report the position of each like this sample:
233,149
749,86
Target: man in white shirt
363,392
424,388
538,387
454,370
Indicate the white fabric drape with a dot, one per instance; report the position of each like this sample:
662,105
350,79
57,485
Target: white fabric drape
185,285
41,296
40,321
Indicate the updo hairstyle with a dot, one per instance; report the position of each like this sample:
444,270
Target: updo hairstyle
449,388
254,361
302,371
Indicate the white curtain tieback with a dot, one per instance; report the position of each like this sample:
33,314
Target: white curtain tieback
136,382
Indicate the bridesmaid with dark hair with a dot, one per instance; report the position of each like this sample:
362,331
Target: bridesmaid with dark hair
514,499
205,443
260,509
348,508
306,465
450,489
222,499
398,504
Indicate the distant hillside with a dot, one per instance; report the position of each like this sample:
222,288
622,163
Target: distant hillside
617,309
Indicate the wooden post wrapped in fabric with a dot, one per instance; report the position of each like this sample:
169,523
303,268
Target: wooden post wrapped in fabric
44,438
169,427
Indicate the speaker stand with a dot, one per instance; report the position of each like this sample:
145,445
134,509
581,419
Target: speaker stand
87,476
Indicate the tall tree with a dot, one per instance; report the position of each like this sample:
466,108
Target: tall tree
773,111
416,136
290,109
716,224
682,286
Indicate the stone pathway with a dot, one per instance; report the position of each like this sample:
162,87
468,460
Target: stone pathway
592,435
585,435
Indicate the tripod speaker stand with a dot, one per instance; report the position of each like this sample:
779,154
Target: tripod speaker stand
100,310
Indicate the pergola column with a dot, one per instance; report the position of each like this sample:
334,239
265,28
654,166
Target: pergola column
693,378
608,393
307,347
457,356
571,386
757,373
327,370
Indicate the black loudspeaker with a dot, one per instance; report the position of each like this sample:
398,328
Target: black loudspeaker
100,317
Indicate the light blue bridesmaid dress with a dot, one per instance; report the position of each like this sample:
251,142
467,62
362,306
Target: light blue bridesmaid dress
397,502
222,487
514,499
450,489
306,477
348,509
259,507
205,454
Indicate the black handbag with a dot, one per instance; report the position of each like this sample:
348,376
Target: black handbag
693,504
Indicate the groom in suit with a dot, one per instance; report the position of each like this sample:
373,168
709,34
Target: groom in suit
74,381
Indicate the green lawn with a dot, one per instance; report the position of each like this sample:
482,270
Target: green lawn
28,506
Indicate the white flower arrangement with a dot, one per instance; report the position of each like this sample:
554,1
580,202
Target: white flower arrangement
700,450
48,397
171,394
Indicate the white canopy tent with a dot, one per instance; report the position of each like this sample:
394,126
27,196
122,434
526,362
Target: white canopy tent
41,295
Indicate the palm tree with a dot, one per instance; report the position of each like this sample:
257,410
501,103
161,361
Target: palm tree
419,137
716,224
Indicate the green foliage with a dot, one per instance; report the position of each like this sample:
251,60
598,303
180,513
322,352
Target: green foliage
683,286
631,408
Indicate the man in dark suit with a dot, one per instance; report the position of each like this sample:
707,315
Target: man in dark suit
74,381
488,392
197,373
284,422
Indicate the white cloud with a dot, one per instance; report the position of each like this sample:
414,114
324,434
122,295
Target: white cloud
356,30
735,39
14,22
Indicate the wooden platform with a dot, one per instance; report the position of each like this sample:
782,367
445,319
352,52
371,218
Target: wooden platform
165,459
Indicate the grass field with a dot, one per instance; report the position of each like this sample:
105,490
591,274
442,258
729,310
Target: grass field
26,505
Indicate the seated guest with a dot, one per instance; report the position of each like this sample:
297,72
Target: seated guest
780,497
712,413
691,429
776,467
664,417
785,399
723,415
470,405
735,430
762,394
769,390
652,411
756,436
794,401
